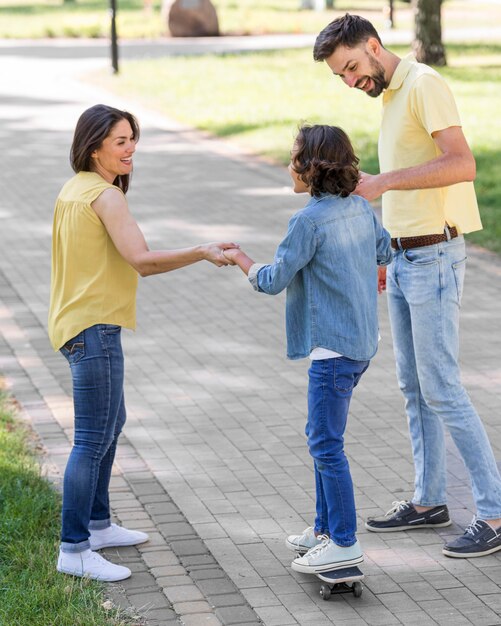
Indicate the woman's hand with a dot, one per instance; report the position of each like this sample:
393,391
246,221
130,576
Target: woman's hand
215,253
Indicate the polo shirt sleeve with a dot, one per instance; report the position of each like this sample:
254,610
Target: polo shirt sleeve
433,104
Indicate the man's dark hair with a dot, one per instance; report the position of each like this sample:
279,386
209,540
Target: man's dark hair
348,31
324,159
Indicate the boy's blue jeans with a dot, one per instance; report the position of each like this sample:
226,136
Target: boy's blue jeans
331,384
97,368
424,296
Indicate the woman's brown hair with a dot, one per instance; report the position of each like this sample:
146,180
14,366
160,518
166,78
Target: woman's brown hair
93,126
324,159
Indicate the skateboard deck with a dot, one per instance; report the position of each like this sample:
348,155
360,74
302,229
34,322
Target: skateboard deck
342,580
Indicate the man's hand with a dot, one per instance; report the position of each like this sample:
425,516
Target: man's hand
381,278
370,186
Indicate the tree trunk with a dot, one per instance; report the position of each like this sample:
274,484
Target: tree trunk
428,45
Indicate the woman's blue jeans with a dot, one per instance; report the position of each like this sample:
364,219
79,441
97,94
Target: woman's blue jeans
97,368
424,288
331,384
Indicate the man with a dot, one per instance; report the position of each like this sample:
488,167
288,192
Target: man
429,202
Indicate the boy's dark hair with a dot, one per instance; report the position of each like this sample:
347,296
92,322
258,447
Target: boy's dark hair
348,31
324,159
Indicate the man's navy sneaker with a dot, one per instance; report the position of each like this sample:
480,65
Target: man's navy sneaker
403,516
479,539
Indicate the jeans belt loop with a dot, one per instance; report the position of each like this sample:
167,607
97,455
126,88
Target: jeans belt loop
447,232
399,244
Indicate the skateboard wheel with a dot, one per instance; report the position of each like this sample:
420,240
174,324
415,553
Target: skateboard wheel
325,592
357,589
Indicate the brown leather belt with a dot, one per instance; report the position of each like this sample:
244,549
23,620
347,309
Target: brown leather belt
404,243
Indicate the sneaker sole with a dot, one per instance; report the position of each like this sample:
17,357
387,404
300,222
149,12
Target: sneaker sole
328,567
114,579
469,555
374,529
95,546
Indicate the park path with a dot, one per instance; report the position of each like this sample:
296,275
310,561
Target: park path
213,461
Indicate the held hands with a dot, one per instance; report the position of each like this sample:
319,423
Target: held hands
230,254
238,257
214,252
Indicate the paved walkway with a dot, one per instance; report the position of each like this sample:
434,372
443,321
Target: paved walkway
213,462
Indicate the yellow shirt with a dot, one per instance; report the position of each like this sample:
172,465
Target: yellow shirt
91,282
416,103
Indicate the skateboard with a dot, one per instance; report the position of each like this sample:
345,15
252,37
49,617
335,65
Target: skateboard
343,580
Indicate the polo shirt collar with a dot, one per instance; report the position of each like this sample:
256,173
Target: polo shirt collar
400,73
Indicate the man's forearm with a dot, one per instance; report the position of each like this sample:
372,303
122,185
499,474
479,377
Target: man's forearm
443,171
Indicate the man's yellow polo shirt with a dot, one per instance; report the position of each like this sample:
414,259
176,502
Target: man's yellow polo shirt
417,103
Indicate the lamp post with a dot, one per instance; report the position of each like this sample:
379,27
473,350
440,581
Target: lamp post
114,42
391,19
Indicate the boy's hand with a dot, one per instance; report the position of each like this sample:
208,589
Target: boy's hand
230,254
236,256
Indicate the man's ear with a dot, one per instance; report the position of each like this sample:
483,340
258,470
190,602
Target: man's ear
374,46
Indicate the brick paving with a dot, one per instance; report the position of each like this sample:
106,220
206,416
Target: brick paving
213,461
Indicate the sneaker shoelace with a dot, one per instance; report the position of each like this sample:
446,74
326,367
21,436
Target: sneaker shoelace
325,540
397,505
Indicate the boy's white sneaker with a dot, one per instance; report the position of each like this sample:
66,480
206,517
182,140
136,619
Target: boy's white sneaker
328,556
90,565
115,536
304,542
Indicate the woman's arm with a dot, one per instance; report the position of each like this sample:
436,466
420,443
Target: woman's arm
112,209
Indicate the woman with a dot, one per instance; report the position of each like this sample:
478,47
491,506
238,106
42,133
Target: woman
97,252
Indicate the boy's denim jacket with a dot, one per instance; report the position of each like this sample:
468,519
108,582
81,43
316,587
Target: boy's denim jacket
328,263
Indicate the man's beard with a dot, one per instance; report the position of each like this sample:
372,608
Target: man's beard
377,78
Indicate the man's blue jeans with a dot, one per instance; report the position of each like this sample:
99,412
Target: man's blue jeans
424,288
97,368
331,384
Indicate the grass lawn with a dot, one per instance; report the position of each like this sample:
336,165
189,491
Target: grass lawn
258,99
142,18
32,593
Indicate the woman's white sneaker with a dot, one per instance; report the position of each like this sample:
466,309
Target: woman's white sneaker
304,542
328,556
90,565
115,536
